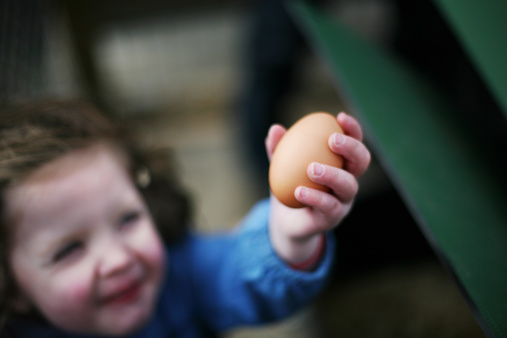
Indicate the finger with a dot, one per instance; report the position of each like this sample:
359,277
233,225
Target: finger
326,204
357,157
342,183
275,134
350,126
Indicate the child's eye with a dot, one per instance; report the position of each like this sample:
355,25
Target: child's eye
129,218
67,250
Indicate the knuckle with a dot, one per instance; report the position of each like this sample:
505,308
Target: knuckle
349,188
335,209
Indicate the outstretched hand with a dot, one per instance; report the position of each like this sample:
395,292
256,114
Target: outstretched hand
294,231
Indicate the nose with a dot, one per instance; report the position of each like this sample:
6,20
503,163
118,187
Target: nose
114,259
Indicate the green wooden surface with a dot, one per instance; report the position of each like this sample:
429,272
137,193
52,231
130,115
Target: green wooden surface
481,27
441,170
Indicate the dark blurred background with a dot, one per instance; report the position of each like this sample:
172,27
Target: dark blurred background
207,78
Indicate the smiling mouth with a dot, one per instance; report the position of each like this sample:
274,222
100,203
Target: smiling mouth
125,296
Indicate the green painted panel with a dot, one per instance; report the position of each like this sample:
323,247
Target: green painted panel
481,26
441,170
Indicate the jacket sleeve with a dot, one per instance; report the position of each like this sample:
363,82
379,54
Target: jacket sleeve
240,280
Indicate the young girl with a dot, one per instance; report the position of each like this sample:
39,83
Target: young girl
95,238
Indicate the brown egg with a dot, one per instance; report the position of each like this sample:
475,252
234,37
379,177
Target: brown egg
305,142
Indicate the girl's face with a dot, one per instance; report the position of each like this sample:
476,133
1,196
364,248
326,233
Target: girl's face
85,252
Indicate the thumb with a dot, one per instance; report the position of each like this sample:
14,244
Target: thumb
275,134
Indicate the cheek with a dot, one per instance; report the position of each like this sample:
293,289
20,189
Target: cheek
55,294
79,292
67,299
149,247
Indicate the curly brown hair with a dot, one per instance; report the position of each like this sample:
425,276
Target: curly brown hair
34,134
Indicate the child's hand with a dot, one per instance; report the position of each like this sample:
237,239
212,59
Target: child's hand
295,232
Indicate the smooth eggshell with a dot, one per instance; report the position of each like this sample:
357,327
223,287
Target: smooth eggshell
305,142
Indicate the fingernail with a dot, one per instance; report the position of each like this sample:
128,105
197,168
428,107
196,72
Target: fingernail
301,191
338,139
317,169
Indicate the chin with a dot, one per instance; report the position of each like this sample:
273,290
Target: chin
129,323
128,320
